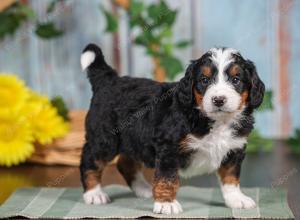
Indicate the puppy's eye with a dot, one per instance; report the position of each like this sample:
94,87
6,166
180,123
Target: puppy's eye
236,80
204,80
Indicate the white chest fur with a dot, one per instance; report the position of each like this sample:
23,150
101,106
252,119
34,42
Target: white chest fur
211,149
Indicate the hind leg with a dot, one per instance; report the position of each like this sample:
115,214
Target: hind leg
133,175
91,170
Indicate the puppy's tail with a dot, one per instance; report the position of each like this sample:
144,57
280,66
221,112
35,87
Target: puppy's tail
93,61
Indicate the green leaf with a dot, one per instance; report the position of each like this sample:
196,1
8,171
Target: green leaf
257,143
168,48
51,6
152,52
47,30
12,18
167,16
26,11
267,102
146,38
164,8
140,40
170,18
136,8
154,11
61,107
294,141
111,21
166,32
183,43
134,21
172,65
8,24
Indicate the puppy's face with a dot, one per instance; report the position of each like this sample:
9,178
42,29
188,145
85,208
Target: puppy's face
225,83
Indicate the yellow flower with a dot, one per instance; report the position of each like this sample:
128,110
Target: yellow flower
25,117
45,121
15,140
13,94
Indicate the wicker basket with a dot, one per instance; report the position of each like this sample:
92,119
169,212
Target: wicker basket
66,150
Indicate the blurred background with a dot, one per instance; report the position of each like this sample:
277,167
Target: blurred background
41,43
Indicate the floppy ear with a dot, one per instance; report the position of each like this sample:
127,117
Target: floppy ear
257,89
185,93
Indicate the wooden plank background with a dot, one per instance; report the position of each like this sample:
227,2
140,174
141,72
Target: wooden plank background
266,32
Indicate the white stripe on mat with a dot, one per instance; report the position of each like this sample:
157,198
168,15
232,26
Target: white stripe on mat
204,208
40,203
257,202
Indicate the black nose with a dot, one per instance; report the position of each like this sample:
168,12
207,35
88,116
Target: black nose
219,100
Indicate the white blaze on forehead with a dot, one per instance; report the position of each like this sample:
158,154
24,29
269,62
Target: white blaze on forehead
222,58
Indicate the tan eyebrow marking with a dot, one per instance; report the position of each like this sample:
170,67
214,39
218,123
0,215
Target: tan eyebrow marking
206,71
234,70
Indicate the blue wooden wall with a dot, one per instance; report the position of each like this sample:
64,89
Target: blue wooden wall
265,31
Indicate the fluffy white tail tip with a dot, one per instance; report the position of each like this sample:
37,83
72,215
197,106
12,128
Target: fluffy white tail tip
87,58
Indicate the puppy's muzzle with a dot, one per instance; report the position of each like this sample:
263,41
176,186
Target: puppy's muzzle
219,101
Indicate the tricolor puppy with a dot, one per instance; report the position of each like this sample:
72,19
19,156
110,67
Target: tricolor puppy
195,126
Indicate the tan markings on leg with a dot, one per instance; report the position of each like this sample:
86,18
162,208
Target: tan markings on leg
244,97
93,177
206,71
164,190
228,176
234,70
128,168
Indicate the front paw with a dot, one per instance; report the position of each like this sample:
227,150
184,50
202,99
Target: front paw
167,208
96,196
239,200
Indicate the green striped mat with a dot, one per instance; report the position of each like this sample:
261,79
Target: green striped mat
67,203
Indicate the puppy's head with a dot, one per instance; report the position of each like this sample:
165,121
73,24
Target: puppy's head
222,83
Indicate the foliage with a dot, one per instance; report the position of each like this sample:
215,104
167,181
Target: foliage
256,142
61,107
47,30
17,14
294,141
12,18
153,24
172,65
267,103
112,22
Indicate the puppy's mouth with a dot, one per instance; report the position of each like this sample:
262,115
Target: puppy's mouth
220,114
220,111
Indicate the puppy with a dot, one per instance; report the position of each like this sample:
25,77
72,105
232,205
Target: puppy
195,126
